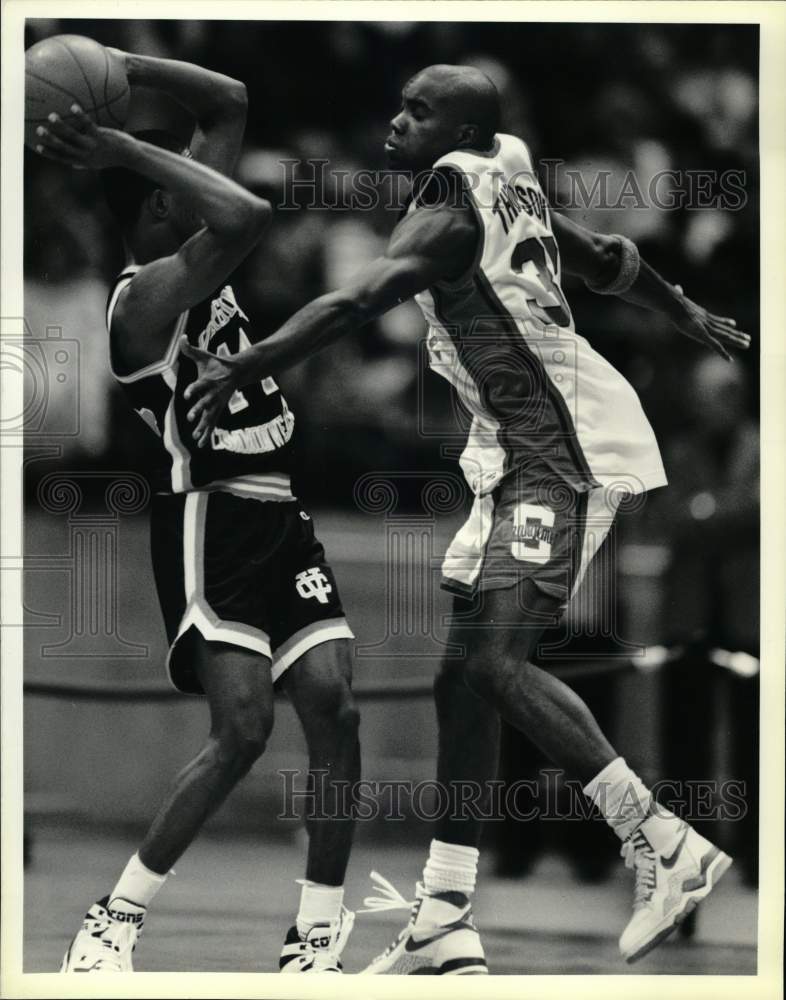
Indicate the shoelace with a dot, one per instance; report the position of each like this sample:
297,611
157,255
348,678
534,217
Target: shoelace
390,898
340,929
345,924
638,854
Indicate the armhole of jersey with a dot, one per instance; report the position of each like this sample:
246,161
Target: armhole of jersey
466,278
528,151
156,366
122,282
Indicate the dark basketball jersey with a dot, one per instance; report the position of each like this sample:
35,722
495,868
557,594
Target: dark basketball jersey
249,451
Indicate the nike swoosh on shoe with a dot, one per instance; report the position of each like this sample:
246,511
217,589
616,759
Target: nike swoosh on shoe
412,945
669,862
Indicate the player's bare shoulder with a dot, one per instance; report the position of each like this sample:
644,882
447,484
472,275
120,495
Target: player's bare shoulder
441,220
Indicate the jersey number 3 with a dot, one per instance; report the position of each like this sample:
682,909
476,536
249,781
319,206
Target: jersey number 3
532,251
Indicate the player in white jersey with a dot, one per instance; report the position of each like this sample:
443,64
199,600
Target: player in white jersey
557,437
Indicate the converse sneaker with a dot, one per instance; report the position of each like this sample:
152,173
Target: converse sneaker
106,939
319,949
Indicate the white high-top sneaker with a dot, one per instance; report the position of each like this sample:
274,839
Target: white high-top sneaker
439,939
669,885
320,949
107,938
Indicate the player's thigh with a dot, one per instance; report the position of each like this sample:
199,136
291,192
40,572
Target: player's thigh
319,685
238,685
504,625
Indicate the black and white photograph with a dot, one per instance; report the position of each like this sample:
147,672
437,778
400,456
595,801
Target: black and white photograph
392,498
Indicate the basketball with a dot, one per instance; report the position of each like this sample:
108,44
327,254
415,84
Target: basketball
68,69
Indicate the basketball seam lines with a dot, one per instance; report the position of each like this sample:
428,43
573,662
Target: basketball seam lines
107,99
114,118
79,66
106,73
98,107
51,83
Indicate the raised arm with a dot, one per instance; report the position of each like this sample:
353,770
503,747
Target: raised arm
162,289
218,103
427,246
611,265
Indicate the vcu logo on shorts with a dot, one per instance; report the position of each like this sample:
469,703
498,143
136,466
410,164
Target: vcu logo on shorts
533,533
313,583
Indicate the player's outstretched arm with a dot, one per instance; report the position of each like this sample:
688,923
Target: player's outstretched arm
233,218
611,265
429,245
218,103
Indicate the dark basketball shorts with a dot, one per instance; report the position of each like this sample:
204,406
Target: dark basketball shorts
529,528
243,571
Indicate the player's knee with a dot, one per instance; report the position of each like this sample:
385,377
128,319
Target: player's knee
335,707
242,741
479,676
237,751
487,677
343,712
347,720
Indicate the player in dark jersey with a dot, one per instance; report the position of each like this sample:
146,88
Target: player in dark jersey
248,598
493,269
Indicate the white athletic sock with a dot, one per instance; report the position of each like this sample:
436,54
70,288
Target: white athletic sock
319,904
621,796
137,884
450,867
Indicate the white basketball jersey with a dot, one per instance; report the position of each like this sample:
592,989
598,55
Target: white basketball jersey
503,335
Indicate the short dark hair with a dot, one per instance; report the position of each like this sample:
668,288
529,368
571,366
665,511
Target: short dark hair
126,190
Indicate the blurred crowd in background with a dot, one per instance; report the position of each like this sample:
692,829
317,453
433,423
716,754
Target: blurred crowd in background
646,99
675,102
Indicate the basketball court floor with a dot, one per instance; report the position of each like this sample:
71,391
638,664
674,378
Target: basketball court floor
230,903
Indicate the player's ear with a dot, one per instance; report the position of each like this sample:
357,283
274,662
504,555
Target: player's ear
159,204
468,136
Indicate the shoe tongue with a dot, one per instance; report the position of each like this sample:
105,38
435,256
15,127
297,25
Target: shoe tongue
126,912
453,897
442,908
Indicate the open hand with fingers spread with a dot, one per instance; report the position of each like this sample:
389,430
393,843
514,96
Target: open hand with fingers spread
218,378
79,142
719,333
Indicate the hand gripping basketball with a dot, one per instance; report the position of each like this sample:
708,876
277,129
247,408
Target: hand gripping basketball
78,142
